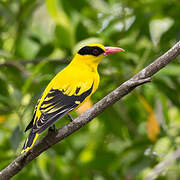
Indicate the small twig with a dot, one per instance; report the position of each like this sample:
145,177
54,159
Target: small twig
20,62
17,65
163,165
50,139
36,61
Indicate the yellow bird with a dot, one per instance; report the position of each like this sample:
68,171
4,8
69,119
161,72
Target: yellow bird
67,90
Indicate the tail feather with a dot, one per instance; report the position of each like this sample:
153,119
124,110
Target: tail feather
29,142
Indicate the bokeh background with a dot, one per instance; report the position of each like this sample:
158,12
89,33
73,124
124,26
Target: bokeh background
39,38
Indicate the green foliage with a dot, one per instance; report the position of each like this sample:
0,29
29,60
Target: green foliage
115,145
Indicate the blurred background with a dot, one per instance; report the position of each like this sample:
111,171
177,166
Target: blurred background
39,38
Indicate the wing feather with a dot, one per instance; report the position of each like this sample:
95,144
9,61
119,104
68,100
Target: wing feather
57,104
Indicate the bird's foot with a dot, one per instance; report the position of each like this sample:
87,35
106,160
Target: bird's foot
70,117
52,128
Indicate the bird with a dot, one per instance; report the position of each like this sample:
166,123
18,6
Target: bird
69,89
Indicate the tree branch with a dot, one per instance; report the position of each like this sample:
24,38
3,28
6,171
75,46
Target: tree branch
163,165
52,138
19,63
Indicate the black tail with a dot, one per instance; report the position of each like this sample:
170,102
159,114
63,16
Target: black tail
29,142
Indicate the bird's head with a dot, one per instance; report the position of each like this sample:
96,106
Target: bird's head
92,54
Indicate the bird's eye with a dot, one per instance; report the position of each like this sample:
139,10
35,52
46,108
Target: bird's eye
95,52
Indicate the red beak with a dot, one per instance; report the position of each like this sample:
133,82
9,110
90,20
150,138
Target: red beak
111,50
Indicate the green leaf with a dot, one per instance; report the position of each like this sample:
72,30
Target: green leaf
158,27
81,32
170,70
45,50
64,37
26,48
27,85
16,138
58,13
4,88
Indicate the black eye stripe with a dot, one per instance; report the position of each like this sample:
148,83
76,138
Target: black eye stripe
91,50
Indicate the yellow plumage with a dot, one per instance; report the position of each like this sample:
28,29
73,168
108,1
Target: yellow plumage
67,90
80,73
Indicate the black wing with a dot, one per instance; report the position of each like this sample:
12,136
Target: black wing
56,105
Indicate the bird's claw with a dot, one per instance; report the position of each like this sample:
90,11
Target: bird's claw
53,128
70,117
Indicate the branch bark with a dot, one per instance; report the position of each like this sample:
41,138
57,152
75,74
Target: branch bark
52,138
